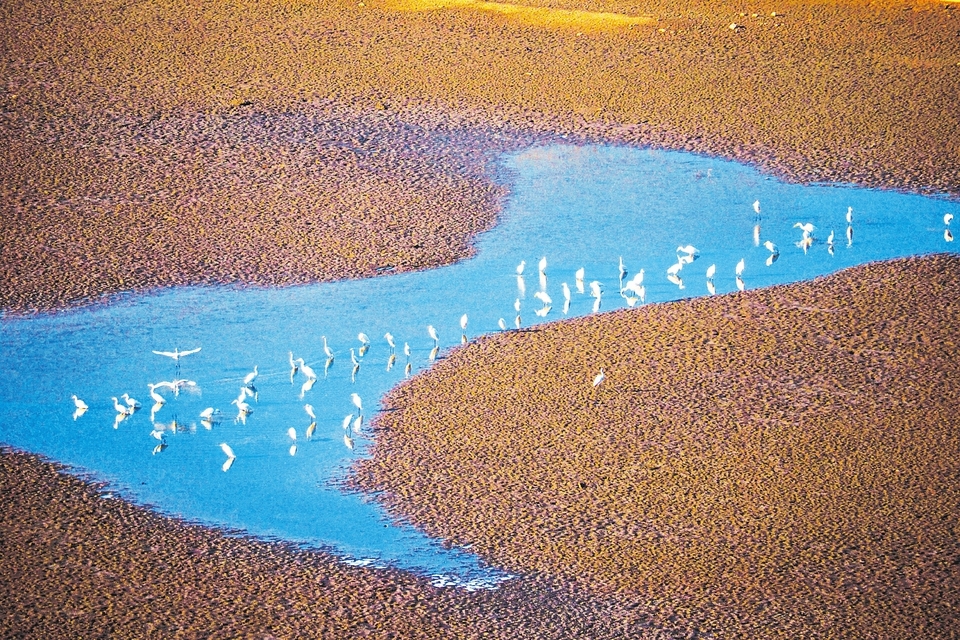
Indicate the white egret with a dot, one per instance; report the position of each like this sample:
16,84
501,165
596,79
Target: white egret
566,291
674,269
542,266
357,402
292,433
542,312
433,334
176,354
740,267
79,404
516,305
293,367
389,338
711,270
849,215
520,267
209,413
157,398
309,409
689,250
307,371
131,402
595,289
502,324
326,350
406,349
543,297
830,239
250,377
947,218
772,248
121,408
756,206
578,279
600,377
948,235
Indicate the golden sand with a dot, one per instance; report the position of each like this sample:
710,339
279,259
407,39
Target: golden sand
537,16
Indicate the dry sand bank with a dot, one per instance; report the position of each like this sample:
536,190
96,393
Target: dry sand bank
280,142
77,565
776,463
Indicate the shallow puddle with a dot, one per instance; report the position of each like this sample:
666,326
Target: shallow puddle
578,207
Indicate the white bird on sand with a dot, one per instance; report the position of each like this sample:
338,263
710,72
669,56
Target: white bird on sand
309,409
947,218
176,354
433,334
250,377
79,404
357,402
520,267
578,279
326,349
740,267
711,270
600,377
389,338
292,433
307,371
502,324
849,215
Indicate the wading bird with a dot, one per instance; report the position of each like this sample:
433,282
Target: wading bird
132,404
307,371
364,343
357,402
176,354
600,377
250,377
740,266
947,218
849,215
711,271
390,342
523,263
326,350
433,334
79,404
230,456
156,397
292,433
121,409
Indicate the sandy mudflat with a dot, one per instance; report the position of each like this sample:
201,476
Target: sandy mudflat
269,143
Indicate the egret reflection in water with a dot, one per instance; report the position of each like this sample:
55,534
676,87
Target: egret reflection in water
581,209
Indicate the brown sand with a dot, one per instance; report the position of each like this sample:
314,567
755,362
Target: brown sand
777,463
277,142
280,142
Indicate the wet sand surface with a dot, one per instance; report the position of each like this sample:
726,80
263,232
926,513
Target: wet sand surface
270,143
776,463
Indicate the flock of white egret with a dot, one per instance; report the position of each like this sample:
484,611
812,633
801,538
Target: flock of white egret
631,289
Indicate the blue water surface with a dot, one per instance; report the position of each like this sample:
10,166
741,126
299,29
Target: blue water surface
580,207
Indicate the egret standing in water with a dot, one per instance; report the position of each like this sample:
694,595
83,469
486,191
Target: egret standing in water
132,404
523,263
230,456
326,350
307,371
250,377
390,342
433,334
357,402
364,343
81,407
